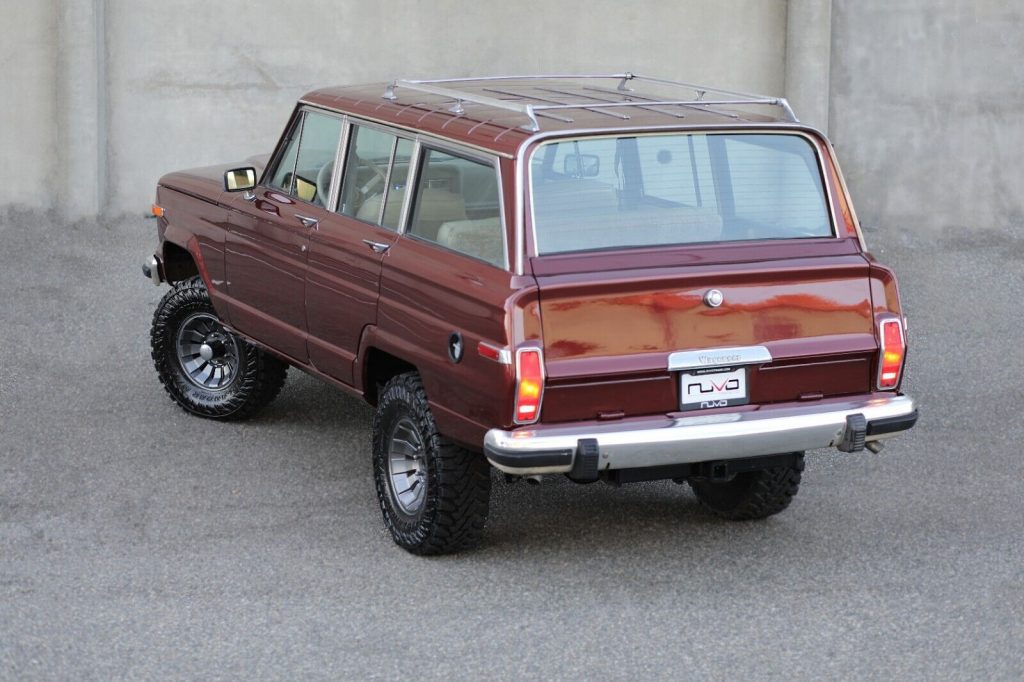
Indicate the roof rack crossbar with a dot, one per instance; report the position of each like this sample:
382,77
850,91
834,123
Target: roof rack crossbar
543,100
532,111
646,107
686,104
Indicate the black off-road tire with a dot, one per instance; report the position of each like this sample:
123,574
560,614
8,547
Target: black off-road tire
257,380
453,510
753,494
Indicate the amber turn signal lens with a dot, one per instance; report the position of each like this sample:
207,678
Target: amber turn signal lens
529,385
893,350
158,211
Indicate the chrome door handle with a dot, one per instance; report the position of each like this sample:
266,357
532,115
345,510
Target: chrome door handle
307,221
378,247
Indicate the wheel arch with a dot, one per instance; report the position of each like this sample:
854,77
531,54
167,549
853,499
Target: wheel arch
178,263
379,367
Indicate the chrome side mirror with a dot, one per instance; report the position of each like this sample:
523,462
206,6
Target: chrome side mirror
240,179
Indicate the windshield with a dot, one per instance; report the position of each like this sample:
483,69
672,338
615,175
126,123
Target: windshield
649,190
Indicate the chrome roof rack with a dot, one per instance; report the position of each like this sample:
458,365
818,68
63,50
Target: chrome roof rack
535,107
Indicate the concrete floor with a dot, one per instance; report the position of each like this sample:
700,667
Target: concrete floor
139,542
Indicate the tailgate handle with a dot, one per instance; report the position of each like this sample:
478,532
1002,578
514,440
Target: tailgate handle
378,247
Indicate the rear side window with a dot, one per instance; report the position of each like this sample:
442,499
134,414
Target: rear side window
457,206
652,190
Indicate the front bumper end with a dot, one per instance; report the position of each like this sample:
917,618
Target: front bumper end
847,423
152,271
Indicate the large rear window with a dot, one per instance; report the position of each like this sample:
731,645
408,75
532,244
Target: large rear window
650,190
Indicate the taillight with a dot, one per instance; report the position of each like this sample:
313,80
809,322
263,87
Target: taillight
894,349
529,384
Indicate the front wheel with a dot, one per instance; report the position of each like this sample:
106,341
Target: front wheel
752,494
433,493
206,369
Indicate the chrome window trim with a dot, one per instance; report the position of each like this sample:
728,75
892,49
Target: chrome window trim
410,185
846,193
339,165
521,167
387,185
279,148
351,122
301,111
641,132
411,130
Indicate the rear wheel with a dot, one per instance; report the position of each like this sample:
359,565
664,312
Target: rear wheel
433,493
752,494
206,369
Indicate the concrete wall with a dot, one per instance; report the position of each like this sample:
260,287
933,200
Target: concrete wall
927,112
191,82
28,102
921,97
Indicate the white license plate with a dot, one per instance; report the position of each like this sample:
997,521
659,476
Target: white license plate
707,388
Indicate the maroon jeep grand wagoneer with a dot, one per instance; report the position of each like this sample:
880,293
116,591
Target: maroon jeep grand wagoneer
608,277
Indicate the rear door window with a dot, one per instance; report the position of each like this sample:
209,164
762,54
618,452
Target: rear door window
376,174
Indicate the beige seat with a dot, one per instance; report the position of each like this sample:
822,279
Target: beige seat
436,207
369,211
481,238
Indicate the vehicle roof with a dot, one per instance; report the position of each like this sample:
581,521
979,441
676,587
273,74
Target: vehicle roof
500,113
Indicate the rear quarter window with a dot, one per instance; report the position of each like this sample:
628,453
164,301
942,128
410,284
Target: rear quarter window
456,206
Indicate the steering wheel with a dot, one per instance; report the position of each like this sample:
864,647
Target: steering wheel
323,182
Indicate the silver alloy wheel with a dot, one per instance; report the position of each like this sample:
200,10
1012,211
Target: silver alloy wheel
207,353
407,466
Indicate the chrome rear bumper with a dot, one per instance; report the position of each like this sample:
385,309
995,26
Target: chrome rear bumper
673,439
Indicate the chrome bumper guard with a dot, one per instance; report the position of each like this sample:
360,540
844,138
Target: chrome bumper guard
151,270
846,423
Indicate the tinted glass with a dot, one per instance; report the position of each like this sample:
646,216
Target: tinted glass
457,206
603,193
315,166
366,174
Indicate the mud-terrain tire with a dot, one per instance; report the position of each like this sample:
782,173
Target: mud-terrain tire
242,378
433,494
751,494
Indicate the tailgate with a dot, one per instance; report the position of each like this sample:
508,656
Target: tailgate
608,333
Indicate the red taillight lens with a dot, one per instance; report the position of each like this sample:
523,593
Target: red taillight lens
529,385
894,349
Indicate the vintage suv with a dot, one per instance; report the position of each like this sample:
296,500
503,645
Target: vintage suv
608,277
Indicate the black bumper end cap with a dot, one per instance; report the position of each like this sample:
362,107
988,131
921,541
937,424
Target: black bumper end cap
903,422
585,464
